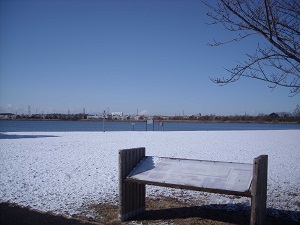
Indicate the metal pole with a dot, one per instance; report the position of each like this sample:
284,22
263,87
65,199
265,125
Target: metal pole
103,124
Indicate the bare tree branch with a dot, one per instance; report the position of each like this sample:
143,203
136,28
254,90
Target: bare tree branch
278,21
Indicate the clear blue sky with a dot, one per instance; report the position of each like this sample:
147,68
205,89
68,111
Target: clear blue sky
60,55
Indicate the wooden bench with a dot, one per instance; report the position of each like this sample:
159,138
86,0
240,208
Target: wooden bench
241,179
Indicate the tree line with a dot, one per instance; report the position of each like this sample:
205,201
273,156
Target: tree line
261,118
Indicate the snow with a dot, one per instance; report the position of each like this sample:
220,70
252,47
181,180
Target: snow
63,172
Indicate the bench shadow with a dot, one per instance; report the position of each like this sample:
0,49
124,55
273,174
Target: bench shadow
218,213
18,136
12,214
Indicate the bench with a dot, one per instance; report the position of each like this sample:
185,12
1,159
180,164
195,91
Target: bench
240,179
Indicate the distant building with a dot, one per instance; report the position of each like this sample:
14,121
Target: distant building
117,115
198,115
93,117
7,116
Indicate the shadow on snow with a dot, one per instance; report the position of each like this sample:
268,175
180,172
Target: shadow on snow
18,136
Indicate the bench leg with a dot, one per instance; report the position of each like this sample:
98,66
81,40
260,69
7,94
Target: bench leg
259,190
131,195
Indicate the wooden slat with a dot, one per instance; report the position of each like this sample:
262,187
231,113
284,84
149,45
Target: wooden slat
130,195
178,186
259,190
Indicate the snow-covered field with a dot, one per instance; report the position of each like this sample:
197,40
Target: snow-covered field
65,171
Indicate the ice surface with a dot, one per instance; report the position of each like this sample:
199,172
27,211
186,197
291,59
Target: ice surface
64,171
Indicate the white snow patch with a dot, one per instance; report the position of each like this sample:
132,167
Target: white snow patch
64,171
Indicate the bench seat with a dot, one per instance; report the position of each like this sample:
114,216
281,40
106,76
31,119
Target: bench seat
136,170
199,175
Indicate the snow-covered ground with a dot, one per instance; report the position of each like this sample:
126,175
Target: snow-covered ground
65,171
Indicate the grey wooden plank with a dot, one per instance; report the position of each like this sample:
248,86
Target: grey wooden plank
194,174
259,190
131,201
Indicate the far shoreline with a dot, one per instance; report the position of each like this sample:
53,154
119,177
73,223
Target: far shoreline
163,121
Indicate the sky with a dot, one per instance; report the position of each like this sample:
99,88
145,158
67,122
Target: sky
150,56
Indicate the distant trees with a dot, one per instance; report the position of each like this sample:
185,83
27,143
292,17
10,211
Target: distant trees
278,22
293,116
297,111
273,116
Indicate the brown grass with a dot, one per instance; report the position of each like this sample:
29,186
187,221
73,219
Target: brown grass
167,210
162,210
